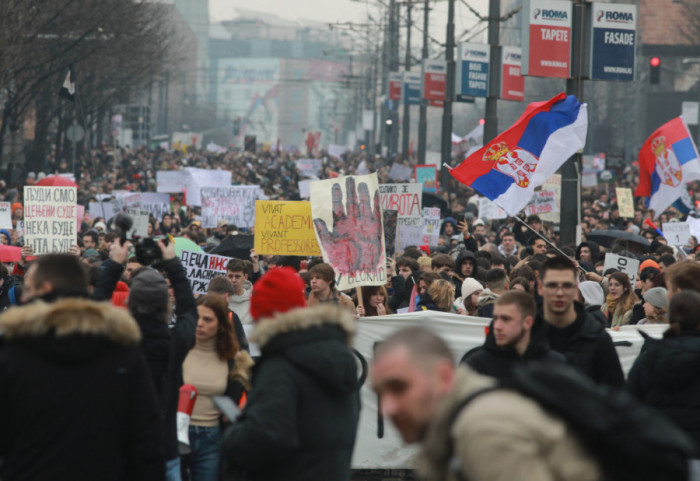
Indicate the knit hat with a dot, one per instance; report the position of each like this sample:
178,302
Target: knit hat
657,297
278,291
592,293
648,263
470,286
121,292
15,206
149,292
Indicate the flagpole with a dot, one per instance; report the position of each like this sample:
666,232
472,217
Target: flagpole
85,125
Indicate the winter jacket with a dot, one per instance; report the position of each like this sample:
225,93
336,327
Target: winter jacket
160,341
664,377
302,413
485,303
450,220
426,303
240,304
77,399
402,289
336,298
587,346
617,318
597,314
10,291
500,435
499,361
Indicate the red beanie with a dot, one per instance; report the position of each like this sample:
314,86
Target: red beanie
280,290
121,292
15,206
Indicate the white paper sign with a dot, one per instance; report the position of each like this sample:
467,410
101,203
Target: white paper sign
542,202
624,264
201,268
49,218
199,178
489,210
310,167
676,233
172,181
5,215
336,150
553,183
400,172
234,204
103,209
694,226
431,225
140,227
304,191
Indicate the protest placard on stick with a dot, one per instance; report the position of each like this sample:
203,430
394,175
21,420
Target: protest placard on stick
49,218
284,228
235,205
201,268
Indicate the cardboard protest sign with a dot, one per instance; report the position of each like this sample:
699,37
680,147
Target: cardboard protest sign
553,183
625,202
304,191
5,215
309,167
156,205
431,225
140,227
49,218
103,209
406,200
284,228
234,204
542,202
201,268
199,178
625,264
489,210
348,222
172,181
426,175
400,172
694,226
676,233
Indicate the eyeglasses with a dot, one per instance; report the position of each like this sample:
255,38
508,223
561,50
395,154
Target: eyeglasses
554,287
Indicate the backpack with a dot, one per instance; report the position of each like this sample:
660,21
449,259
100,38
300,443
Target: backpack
629,440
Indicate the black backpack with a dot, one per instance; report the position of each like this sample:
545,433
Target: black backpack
630,441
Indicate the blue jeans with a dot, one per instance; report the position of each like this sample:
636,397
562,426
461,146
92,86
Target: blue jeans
172,470
203,461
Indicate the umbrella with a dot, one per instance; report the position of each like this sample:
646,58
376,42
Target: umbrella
56,180
185,244
10,253
237,246
606,238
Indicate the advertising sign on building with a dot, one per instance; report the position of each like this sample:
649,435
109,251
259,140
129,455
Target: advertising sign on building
613,41
434,79
472,70
411,88
395,80
512,82
547,38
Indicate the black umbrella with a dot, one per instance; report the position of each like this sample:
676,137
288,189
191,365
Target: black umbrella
237,246
607,238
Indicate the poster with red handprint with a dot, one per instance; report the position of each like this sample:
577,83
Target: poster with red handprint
348,222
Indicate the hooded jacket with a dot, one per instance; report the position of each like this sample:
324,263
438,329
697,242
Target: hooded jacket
485,303
464,256
500,435
302,413
663,377
240,304
449,220
498,361
77,399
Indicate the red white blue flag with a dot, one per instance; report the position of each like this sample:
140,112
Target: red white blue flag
509,168
667,161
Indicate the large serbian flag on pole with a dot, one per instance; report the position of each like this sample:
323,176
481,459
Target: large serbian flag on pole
667,161
509,168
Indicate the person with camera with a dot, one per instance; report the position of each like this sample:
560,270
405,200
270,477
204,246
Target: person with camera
165,348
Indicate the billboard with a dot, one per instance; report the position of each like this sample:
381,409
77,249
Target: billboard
512,82
547,38
472,70
434,79
395,81
613,41
411,92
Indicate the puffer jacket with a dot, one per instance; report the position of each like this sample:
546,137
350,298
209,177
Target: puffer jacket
499,435
302,413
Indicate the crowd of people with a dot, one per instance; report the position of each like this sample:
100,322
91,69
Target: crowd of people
74,367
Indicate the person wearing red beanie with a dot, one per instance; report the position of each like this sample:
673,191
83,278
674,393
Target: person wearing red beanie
304,406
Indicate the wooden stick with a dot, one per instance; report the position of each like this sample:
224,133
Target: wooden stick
359,296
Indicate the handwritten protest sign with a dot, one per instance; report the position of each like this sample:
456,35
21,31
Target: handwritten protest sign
201,268
140,227
234,204
431,225
426,175
489,210
620,263
304,191
553,183
49,218
309,167
199,178
625,202
406,200
348,223
5,215
284,228
172,181
103,209
157,205
676,233
543,201
400,172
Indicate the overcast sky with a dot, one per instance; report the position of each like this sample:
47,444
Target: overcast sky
346,10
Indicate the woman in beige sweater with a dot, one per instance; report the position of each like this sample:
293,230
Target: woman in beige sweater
216,367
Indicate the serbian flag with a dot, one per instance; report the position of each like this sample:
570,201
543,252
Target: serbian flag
509,168
667,161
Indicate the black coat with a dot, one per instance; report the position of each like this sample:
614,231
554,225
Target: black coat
499,361
302,413
587,346
665,376
79,405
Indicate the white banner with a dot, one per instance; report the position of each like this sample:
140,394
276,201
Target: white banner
676,233
172,181
5,215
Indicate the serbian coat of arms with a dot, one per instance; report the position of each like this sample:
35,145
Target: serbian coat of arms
516,163
667,166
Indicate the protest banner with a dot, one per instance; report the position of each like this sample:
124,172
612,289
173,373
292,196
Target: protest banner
49,218
172,181
234,204
624,264
426,175
199,178
104,209
542,202
157,205
625,202
304,192
140,226
348,223
201,268
676,233
284,228
489,210
5,215
309,167
400,172
553,183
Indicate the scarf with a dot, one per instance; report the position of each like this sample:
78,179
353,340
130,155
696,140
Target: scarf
612,303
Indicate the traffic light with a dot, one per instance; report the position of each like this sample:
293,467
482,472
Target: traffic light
654,70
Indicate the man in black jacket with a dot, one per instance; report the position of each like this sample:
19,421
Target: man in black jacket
77,400
571,331
165,348
516,335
